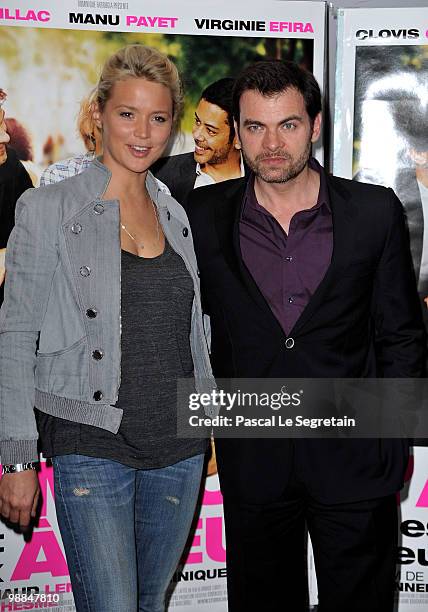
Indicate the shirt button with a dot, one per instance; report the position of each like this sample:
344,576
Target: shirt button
99,208
97,354
85,271
185,232
290,300
91,313
289,343
76,228
98,395
289,258
168,215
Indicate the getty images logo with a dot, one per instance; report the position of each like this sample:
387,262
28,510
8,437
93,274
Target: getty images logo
387,34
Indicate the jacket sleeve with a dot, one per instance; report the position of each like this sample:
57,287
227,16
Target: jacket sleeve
31,260
400,333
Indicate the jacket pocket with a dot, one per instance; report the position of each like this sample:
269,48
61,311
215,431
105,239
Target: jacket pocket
62,351
65,372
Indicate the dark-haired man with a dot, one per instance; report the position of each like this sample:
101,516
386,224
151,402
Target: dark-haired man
14,180
410,119
217,155
305,275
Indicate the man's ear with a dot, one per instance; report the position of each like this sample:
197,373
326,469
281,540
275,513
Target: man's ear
316,128
236,140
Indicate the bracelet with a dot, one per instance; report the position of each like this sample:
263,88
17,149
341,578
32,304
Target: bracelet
13,468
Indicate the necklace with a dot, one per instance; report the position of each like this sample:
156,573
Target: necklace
140,245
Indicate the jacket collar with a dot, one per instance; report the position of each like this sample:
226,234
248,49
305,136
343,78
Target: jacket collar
99,176
344,212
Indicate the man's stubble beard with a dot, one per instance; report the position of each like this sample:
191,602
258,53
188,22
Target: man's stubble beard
281,174
220,156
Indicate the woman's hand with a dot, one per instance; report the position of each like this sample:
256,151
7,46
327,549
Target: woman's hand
19,496
212,463
2,268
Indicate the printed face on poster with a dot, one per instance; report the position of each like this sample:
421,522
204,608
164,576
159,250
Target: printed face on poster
381,136
50,57
206,45
381,115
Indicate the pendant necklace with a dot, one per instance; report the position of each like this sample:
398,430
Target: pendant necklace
141,246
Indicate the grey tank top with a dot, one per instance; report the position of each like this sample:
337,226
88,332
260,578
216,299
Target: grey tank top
157,297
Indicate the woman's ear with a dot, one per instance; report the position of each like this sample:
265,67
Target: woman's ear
97,116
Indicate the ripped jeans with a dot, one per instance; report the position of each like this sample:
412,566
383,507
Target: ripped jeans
123,529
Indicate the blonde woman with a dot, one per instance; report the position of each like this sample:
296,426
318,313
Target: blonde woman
102,314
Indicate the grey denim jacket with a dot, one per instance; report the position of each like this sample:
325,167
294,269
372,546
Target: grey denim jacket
60,320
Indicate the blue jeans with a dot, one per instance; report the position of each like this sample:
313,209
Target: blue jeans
123,529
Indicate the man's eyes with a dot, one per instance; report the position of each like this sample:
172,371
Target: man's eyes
288,126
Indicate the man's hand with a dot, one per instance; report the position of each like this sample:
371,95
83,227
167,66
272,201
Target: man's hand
19,495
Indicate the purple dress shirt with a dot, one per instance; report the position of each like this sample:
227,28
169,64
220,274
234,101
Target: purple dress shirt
287,268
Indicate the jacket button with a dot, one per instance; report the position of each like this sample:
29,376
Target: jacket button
168,215
91,313
185,232
98,395
99,208
85,271
289,343
76,228
97,354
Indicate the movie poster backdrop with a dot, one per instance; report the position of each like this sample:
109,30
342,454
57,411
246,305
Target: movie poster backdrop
50,56
381,136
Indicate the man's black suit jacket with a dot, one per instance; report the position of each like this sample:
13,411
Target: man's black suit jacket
363,320
178,172
14,180
406,187
407,190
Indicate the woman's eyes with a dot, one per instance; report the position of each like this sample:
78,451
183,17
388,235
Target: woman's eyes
130,115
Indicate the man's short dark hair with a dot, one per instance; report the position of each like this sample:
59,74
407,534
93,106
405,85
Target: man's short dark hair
410,117
20,140
220,93
270,77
